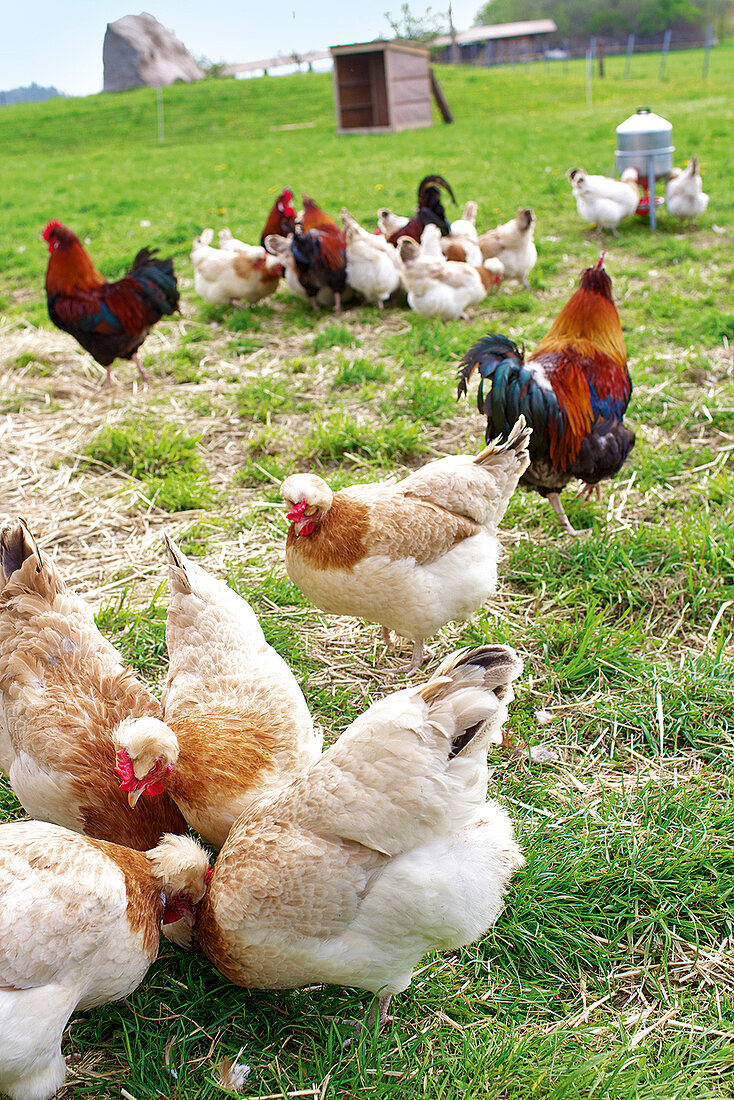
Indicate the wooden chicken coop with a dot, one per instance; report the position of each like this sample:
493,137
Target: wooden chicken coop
381,87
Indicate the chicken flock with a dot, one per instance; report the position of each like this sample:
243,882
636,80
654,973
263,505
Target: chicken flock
344,865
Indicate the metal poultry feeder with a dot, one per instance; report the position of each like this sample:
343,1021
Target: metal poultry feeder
645,143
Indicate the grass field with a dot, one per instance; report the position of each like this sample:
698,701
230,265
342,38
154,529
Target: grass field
611,972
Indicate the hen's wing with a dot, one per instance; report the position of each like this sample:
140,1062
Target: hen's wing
412,766
476,487
60,898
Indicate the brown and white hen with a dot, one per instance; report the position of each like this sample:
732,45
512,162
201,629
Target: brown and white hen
64,690
386,848
236,720
411,555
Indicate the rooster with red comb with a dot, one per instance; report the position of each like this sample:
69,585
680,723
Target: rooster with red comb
573,391
109,320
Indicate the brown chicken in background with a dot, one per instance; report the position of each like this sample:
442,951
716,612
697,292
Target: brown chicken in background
109,320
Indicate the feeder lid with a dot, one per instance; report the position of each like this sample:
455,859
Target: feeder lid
644,121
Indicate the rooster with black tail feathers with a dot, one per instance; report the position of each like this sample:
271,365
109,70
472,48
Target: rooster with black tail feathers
573,391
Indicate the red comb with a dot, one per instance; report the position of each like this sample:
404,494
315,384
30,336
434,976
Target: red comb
601,259
296,511
50,228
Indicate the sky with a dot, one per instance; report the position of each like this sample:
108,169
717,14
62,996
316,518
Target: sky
59,42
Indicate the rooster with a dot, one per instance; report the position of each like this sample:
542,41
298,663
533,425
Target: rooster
109,320
430,210
319,249
411,555
573,390
79,926
282,217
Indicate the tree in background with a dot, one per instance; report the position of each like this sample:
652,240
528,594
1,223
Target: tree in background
610,17
420,28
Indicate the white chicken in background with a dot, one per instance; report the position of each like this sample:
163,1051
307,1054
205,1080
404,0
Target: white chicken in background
461,243
430,244
412,555
79,926
373,264
233,275
684,193
236,720
227,241
509,251
389,223
439,288
386,848
602,201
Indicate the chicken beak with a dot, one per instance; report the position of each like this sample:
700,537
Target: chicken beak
133,796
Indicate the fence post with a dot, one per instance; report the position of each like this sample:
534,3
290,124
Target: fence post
566,50
630,49
664,55
707,48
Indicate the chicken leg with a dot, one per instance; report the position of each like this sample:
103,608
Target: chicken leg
555,503
417,658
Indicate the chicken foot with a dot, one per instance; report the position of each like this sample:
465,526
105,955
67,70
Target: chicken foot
378,1013
417,658
555,503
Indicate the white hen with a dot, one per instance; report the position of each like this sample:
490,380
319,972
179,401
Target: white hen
684,193
412,555
79,926
386,848
512,247
224,276
602,201
373,264
438,288
461,242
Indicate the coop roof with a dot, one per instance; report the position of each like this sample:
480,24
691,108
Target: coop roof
497,30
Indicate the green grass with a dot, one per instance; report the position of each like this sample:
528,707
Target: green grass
609,973
164,458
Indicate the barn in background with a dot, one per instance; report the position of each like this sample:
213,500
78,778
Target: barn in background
499,43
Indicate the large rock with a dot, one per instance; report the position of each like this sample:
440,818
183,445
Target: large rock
139,52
